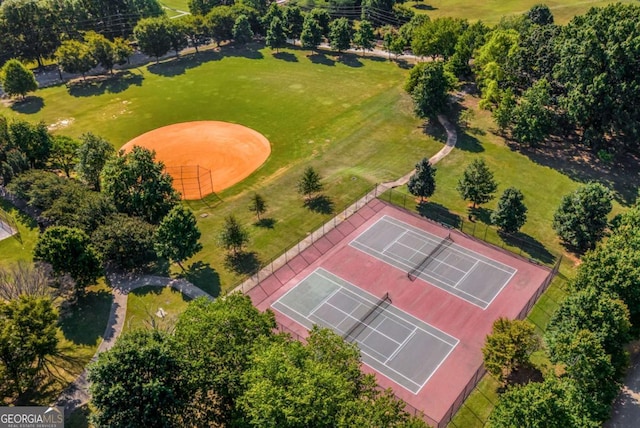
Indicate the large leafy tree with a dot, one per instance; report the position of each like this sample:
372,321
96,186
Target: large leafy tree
437,37
138,185
242,32
17,79
423,182
64,153
470,40
139,382
429,85
477,183
606,317
540,14
74,57
509,346
276,37
27,337
364,38
490,61
293,21
195,28
511,213
69,251
340,34
311,35
203,7
531,119
177,235
125,242
597,67
153,36
33,140
581,218
217,339
101,49
93,154
220,22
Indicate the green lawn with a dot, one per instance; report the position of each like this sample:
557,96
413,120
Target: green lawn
492,11
19,246
176,4
348,117
144,304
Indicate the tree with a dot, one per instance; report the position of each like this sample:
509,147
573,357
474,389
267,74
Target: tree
177,236
242,32
429,85
471,39
532,120
74,205
153,36
437,37
340,34
217,339
585,361
75,57
220,22
477,183
28,327
138,185
323,18
203,7
293,21
177,36
598,73
540,14
364,37
511,213
490,61
233,236
311,35
64,153
101,49
607,317
125,242
274,11
33,140
26,279
69,251
196,29
258,205
122,51
93,154
17,79
503,114
423,182
509,346
139,382
581,218
276,37
309,184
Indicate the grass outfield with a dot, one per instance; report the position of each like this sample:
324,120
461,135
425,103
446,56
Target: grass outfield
351,120
144,303
491,12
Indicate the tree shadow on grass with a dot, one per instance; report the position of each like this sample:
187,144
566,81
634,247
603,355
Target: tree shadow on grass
249,51
285,56
243,263
179,66
85,322
30,105
439,213
266,223
529,245
481,214
521,376
350,60
321,204
321,58
105,84
203,276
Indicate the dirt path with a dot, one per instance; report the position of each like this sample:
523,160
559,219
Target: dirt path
77,394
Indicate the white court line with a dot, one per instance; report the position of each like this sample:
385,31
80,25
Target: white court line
394,221
366,326
401,262
393,242
402,345
323,302
466,274
425,254
501,288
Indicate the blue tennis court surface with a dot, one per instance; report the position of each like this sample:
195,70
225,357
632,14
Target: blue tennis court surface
438,261
391,341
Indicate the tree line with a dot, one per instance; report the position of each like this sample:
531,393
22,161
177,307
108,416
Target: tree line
538,79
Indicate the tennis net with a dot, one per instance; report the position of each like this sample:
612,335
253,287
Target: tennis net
360,324
415,272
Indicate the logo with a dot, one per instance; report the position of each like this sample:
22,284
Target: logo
31,417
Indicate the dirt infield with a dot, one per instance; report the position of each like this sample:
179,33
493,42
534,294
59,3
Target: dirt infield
229,151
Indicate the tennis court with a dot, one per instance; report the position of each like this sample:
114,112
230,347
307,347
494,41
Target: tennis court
436,260
391,341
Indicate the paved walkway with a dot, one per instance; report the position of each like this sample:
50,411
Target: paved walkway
77,394
626,408
331,224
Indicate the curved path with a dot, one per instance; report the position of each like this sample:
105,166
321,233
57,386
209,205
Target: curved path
77,394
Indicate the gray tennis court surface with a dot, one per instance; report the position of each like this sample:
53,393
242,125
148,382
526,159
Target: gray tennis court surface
462,272
394,343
